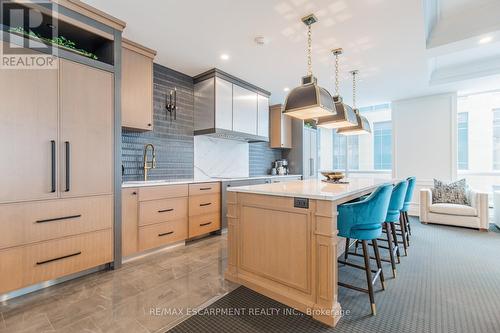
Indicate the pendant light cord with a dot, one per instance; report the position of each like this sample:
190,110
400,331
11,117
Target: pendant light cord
354,89
309,56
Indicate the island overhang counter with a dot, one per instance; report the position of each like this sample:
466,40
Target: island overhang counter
283,243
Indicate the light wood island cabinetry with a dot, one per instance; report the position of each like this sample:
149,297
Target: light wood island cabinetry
283,243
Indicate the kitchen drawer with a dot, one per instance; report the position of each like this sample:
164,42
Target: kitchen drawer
31,264
162,192
24,223
204,204
160,234
203,224
204,188
156,211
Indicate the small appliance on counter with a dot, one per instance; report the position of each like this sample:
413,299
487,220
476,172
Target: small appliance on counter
280,167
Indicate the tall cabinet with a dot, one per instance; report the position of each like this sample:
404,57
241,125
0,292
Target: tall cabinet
56,190
303,157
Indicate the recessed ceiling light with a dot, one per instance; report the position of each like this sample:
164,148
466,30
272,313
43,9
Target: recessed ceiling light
286,89
224,56
485,40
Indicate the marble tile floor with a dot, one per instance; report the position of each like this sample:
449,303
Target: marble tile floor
150,294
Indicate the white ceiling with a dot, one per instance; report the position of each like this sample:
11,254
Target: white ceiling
384,39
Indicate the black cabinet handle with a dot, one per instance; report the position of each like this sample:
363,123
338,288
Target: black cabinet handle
204,224
205,188
59,258
165,234
67,166
205,204
59,218
53,166
165,210
134,193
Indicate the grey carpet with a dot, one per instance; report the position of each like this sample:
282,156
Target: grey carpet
450,282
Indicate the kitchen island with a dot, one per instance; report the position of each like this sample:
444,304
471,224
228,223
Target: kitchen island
282,241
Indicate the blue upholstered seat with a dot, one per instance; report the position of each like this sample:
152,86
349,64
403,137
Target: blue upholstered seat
397,202
409,193
363,219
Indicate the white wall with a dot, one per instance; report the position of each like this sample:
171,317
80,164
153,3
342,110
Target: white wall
424,140
214,157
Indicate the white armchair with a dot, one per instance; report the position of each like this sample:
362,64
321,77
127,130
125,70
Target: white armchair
473,216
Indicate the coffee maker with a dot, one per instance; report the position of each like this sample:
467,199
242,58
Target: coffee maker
280,167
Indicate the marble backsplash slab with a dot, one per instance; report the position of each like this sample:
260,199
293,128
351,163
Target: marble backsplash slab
214,157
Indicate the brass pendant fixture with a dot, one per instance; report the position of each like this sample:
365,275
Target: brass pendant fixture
363,125
345,116
309,100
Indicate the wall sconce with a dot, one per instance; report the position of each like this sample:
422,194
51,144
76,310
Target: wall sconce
172,104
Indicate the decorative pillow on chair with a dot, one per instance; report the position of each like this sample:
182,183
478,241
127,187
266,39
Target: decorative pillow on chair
453,193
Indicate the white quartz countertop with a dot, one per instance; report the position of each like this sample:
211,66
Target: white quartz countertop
196,180
314,188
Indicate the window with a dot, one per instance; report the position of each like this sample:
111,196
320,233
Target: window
339,160
382,145
463,141
496,139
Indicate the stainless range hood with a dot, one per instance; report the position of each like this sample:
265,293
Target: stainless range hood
229,108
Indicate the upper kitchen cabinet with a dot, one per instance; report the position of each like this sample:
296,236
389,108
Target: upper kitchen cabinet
137,86
227,107
244,110
281,128
263,116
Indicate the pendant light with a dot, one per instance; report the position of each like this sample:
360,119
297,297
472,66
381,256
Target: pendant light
345,114
363,125
309,100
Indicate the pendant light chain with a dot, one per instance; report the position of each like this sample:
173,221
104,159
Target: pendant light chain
309,47
337,74
354,89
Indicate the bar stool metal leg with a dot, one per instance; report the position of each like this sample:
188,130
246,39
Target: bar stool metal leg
369,277
395,240
346,253
403,234
379,262
392,248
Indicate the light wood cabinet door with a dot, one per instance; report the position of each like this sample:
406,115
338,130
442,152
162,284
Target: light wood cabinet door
86,104
130,223
28,134
137,90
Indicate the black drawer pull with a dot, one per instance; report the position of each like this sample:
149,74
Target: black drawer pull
59,258
68,167
205,204
60,218
165,210
53,166
204,224
205,188
165,234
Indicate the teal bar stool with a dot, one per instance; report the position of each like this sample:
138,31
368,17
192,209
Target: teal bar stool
393,217
362,221
406,206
